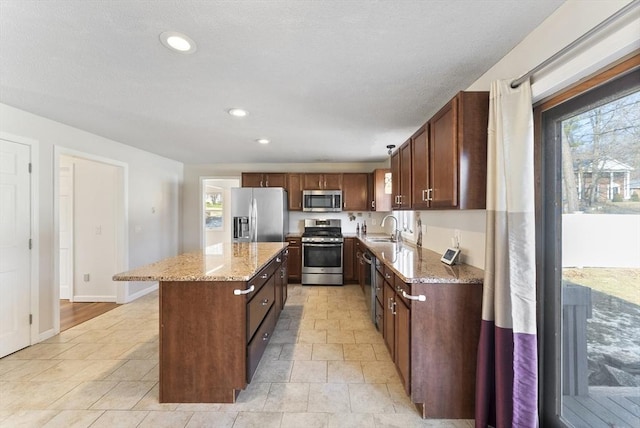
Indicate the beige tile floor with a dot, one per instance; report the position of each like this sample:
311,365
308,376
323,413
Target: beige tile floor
326,366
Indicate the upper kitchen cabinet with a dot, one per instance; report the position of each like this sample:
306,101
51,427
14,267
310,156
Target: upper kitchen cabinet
420,166
354,191
380,190
294,189
457,155
401,177
322,181
264,179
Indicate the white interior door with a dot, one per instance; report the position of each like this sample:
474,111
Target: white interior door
15,257
66,228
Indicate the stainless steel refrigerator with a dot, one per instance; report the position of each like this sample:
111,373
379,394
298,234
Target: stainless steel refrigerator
259,214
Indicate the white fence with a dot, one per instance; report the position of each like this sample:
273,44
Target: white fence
601,240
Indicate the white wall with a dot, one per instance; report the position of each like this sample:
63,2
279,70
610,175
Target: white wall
153,203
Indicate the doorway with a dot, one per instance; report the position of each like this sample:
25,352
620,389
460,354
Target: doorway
216,210
91,227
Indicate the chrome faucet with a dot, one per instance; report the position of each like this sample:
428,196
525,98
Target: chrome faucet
396,236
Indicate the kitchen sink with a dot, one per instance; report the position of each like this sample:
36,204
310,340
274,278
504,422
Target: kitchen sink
380,239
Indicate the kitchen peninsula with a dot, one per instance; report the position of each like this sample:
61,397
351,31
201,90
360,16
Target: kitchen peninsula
218,309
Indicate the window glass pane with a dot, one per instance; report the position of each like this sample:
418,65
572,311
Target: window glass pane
214,211
601,264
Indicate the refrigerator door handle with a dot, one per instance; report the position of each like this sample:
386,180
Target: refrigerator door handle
254,218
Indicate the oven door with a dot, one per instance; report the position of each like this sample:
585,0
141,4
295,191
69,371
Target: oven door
322,258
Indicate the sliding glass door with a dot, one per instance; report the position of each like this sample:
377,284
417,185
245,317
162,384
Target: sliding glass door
590,253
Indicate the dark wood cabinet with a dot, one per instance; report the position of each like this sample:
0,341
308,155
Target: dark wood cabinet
420,167
321,181
389,329
264,179
452,149
295,259
294,191
401,177
354,191
348,259
224,332
380,190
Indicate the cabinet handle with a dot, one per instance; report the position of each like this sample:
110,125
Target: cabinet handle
429,194
373,204
278,260
320,184
420,297
264,276
261,183
386,275
265,337
265,302
393,308
325,184
423,197
399,289
238,292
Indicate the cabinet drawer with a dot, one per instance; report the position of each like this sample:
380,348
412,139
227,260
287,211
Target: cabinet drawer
401,286
261,277
259,305
256,347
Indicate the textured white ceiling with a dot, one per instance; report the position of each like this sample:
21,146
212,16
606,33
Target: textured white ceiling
324,80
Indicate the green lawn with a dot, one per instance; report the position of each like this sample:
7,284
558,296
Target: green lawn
620,282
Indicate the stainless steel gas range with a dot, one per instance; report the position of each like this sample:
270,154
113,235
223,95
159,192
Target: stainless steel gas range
322,243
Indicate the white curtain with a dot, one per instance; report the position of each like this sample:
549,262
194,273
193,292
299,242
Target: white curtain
506,386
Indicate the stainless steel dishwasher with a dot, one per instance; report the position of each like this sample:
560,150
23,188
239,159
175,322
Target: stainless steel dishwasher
369,285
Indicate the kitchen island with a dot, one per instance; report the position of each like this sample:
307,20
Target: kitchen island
218,309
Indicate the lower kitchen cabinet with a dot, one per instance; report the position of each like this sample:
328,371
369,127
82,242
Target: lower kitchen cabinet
433,343
348,260
295,259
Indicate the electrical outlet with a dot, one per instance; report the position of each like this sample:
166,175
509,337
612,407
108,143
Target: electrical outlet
87,277
456,237
373,222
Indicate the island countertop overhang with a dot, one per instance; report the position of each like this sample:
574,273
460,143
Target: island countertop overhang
221,262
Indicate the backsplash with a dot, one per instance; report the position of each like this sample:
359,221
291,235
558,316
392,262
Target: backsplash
373,219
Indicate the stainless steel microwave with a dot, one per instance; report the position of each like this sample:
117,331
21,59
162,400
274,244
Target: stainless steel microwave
322,200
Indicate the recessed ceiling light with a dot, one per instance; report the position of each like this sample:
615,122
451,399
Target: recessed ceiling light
178,42
263,141
238,112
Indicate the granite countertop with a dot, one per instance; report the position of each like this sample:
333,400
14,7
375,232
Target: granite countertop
416,265
223,262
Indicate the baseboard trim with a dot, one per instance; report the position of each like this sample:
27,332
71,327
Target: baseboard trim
90,299
150,289
48,334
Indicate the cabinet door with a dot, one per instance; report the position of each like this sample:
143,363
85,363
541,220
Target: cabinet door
295,260
420,167
389,319
443,156
284,274
275,180
354,192
294,190
252,179
313,182
348,262
395,179
333,182
403,341
380,190
405,176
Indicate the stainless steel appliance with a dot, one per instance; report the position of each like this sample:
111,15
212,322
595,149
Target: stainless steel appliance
259,214
322,252
370,285
322,200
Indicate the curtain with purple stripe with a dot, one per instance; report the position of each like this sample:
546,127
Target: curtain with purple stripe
507,371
